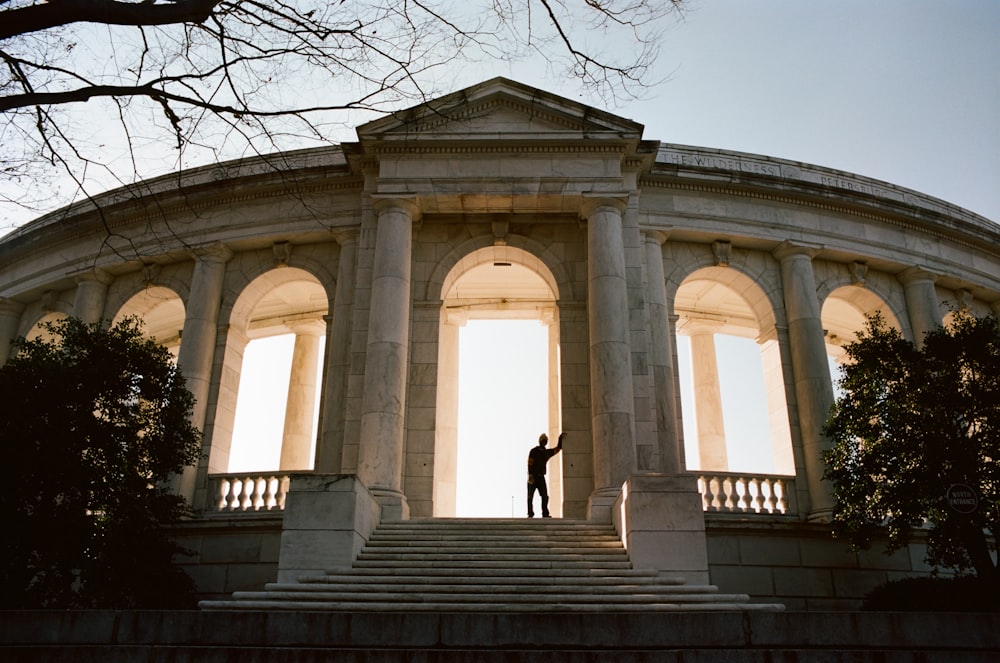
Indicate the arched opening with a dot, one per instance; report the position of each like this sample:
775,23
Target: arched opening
844,314
268,406
162,313
498,383
732,386
37,331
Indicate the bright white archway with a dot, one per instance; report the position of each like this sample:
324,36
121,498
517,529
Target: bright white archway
498,383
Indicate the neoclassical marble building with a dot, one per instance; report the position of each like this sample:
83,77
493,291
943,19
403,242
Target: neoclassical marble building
505,202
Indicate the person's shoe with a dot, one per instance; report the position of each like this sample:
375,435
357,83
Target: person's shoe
531,515
545,515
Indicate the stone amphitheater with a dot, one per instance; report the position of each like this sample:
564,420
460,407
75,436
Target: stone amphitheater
505,202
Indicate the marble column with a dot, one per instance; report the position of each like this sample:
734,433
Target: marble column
380,456
557,492
612,407
10,318
296,441
91,293
197,352
922,302
445,490
813,385
333,407
662,356
712,454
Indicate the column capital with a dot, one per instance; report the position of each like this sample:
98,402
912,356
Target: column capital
658,237
915,275
695,326
791,249
592,201
406,202
306,326
9,306
213,252
94,275
346,236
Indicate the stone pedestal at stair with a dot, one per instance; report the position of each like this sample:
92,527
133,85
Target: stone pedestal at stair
662,525
328,518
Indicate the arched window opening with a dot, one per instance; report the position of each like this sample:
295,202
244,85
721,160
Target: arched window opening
732,386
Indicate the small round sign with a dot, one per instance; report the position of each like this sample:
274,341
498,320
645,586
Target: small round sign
962,498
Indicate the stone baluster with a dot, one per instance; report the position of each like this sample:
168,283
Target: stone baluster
813,385
380,456
612,407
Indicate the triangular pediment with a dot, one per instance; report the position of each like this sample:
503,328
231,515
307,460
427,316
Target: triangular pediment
500,109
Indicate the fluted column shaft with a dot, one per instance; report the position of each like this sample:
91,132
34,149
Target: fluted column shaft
813,386
330,449
712,454
10,318
922,303
91,293
612,407
662,356
197,351
380,456
296,440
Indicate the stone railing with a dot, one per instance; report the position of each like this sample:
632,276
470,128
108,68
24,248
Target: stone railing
247,493
731,492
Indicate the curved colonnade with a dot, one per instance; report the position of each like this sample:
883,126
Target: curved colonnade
373,254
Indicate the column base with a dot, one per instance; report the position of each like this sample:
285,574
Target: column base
601,503
327,520
662,524
393,504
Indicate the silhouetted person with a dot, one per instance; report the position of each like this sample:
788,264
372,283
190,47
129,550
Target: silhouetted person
538,458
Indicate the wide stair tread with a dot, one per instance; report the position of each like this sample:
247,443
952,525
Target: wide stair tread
489,565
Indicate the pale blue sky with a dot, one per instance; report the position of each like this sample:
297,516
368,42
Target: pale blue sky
906,91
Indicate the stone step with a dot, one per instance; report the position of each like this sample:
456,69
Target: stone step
425,588
498,577
489,565
411,606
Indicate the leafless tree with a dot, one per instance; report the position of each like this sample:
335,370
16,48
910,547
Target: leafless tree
89,89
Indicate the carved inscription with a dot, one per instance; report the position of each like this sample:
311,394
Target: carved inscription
722,163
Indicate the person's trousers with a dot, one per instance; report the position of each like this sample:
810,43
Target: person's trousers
537,482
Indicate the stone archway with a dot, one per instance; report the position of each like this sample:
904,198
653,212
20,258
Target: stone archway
722,308
494,283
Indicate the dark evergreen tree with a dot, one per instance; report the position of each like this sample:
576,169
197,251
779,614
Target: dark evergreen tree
912,424
94,422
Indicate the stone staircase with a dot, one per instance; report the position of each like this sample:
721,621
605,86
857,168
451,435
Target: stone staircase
490,565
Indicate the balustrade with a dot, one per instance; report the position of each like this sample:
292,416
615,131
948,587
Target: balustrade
726,492
237,493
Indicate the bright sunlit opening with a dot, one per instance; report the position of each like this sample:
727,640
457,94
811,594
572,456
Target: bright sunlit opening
744,404
503,408
260,407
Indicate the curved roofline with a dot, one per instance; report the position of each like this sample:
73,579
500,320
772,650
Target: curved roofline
674,165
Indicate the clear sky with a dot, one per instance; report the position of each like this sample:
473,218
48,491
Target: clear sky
906,91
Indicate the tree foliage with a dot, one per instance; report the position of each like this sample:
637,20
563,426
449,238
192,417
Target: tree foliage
93,422
224,78
912,423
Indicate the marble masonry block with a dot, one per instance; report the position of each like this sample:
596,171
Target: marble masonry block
328,519
661,522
